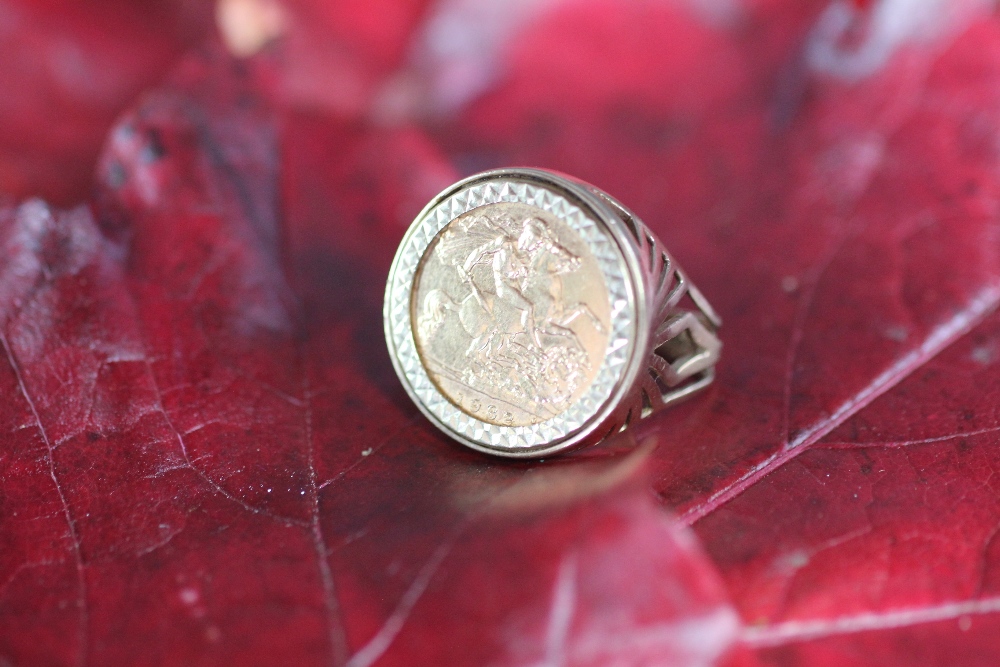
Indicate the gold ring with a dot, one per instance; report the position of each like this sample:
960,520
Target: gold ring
528,313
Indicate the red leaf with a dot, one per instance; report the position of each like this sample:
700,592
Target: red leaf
209,460
338,53
844,253
67,70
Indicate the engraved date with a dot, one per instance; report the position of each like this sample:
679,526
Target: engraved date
492,413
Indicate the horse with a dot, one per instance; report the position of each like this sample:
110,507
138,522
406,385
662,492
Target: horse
542,286
486,323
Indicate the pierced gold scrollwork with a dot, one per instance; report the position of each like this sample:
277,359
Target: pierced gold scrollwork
683,347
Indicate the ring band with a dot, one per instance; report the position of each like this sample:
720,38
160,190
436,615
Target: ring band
528,313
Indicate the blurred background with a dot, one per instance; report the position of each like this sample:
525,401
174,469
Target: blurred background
599,74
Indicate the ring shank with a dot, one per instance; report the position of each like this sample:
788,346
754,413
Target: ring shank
683,345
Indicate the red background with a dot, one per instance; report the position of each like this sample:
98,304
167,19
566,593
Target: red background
206,459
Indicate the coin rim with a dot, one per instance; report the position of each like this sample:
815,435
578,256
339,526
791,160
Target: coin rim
571,201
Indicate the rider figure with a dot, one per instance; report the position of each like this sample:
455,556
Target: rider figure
519,256
508,268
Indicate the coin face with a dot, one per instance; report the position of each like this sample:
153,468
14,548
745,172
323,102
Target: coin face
510,314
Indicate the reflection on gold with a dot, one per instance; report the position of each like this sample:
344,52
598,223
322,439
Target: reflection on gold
511,314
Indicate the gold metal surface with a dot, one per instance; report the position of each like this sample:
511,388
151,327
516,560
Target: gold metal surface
510,314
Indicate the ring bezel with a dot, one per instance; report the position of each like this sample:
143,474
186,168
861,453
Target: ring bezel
599,226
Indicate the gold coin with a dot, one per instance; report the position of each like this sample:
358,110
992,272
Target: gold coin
510,314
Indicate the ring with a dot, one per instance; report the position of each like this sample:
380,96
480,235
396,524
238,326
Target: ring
528,313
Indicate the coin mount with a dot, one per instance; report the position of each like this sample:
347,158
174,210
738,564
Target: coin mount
593,219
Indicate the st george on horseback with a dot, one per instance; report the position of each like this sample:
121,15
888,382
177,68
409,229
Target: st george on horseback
512,269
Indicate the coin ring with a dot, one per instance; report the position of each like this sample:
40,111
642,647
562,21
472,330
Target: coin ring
528,313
